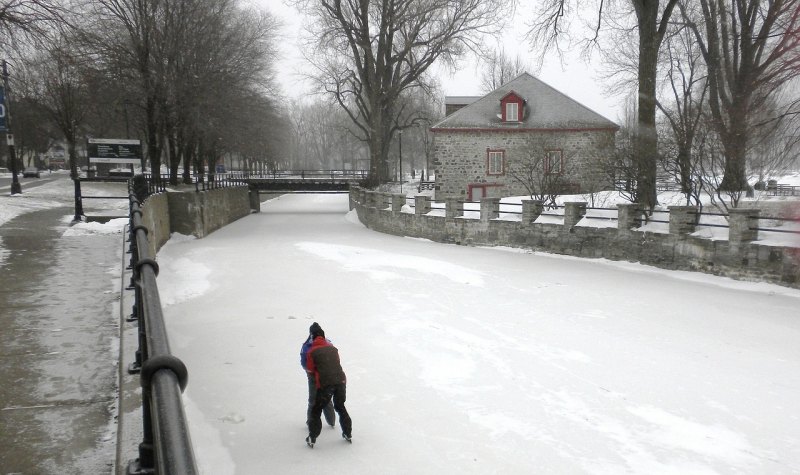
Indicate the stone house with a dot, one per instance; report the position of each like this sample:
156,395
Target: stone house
523,134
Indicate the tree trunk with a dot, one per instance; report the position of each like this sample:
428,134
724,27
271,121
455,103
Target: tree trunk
684,161
153,150
735,146
646,143
174,159
73,158
188,157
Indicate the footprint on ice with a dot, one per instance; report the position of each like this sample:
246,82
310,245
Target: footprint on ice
233,418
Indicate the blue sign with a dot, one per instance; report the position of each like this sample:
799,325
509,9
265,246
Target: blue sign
2,110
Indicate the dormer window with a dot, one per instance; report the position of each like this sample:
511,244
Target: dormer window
511,107
512,112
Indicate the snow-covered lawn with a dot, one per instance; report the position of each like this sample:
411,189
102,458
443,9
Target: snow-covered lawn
474,360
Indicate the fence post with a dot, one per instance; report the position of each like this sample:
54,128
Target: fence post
422,205
490,209
741,224
398,201
682,219
453,208
573,212
629,216
531,209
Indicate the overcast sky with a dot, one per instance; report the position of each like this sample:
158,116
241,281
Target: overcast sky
576,79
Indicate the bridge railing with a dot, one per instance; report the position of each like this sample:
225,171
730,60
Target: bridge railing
166,447
310,174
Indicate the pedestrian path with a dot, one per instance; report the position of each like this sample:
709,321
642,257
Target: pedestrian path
59,347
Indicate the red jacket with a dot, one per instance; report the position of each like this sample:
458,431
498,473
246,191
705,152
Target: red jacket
323,362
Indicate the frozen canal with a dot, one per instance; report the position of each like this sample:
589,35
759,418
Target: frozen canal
474,360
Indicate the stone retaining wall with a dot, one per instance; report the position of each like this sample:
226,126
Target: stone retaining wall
738,258
155,217
194,213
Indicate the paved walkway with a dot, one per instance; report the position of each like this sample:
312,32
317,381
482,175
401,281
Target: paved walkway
59,348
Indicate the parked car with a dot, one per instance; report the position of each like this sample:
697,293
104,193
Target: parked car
31,172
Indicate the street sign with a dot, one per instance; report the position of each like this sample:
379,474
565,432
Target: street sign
124,151
10,140
2,109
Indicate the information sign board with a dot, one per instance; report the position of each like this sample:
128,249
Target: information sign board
124,151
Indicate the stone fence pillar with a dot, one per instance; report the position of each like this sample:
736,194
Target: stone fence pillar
372,199
629,216
573,212
740,222
386,201
531,209
490,208
682,219
453,208
422,205
398,201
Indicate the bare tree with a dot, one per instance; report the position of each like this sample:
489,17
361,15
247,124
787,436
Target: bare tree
544,169
500,68
65,94
322,136
126,31
29,19
776,147
653,17
684,79
33,130
751,48
368,53
191,61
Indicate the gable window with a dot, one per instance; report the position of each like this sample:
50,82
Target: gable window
554,162
512,112
495,162
512,108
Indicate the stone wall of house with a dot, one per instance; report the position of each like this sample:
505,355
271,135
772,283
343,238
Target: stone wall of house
738,257
460,159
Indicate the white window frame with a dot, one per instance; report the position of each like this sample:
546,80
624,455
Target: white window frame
509,116
495,162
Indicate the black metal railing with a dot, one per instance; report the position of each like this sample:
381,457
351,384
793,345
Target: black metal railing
166,447
220,181
308,174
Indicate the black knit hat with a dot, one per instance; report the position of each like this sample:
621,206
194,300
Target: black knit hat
315,330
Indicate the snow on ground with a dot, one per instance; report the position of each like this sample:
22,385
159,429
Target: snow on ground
474,360
45,193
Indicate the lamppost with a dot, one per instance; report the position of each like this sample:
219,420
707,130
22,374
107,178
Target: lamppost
401,160
16,188
421,122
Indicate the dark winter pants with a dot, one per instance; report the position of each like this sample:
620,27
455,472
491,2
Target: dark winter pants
339,394
330,416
